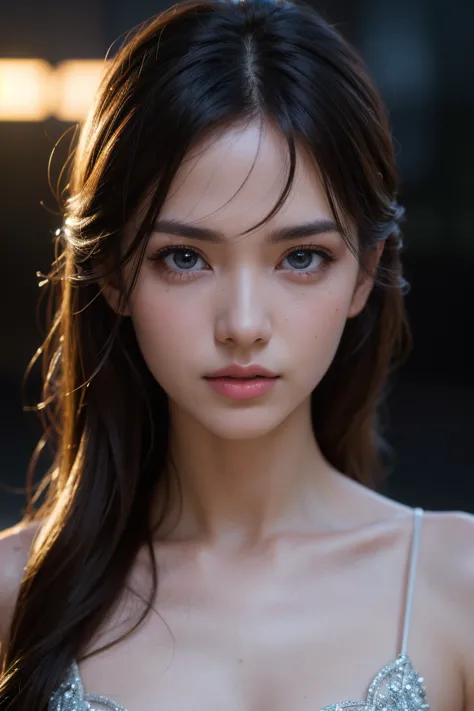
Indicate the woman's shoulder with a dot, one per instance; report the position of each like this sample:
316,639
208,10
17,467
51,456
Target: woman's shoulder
449,540
448,568
15,546
447,556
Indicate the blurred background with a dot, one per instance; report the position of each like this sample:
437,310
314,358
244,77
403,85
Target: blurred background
420,54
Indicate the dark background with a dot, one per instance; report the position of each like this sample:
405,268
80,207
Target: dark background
421,56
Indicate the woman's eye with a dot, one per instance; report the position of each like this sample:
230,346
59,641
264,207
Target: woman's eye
304,259
182,259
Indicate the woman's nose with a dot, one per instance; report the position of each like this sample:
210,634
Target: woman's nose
242,314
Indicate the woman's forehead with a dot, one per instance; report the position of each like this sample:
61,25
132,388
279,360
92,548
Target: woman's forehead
239,175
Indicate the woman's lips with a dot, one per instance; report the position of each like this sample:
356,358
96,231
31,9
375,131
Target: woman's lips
242,388
243,372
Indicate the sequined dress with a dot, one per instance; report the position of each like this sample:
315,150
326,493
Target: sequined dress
396,687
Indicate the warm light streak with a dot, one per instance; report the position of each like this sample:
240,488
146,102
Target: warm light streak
26,91
33,90
76,84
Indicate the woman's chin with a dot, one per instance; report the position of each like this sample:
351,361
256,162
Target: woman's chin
243,425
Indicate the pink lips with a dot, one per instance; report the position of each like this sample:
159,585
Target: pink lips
242,382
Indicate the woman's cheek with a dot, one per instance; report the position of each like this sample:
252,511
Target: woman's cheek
167,326
316,331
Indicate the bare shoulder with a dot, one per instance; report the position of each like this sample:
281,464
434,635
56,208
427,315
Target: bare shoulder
15,545
448,548
449,541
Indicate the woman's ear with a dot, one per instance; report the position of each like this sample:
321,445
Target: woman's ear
365,282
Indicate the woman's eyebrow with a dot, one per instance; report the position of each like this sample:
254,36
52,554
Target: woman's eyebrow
281,234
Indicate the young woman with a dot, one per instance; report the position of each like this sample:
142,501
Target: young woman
230,304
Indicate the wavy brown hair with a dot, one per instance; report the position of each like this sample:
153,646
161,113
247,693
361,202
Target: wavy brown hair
190,71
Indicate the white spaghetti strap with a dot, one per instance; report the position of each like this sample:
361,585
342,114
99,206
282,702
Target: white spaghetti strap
415,545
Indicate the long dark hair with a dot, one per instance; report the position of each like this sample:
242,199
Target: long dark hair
192,70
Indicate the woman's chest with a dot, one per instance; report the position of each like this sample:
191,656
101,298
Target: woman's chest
256,670
253,645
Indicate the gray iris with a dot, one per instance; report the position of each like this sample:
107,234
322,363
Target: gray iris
185,259
301,259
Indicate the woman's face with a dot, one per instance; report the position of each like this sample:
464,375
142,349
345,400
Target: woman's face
213,298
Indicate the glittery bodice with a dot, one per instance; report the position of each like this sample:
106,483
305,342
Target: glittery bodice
396,687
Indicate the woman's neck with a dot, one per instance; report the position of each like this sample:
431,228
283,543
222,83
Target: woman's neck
242,492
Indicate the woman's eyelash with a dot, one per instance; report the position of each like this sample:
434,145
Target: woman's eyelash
165,251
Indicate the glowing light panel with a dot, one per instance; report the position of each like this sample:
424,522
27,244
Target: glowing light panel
26,91
76,84
33,90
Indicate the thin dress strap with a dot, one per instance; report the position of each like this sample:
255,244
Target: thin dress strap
415,546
